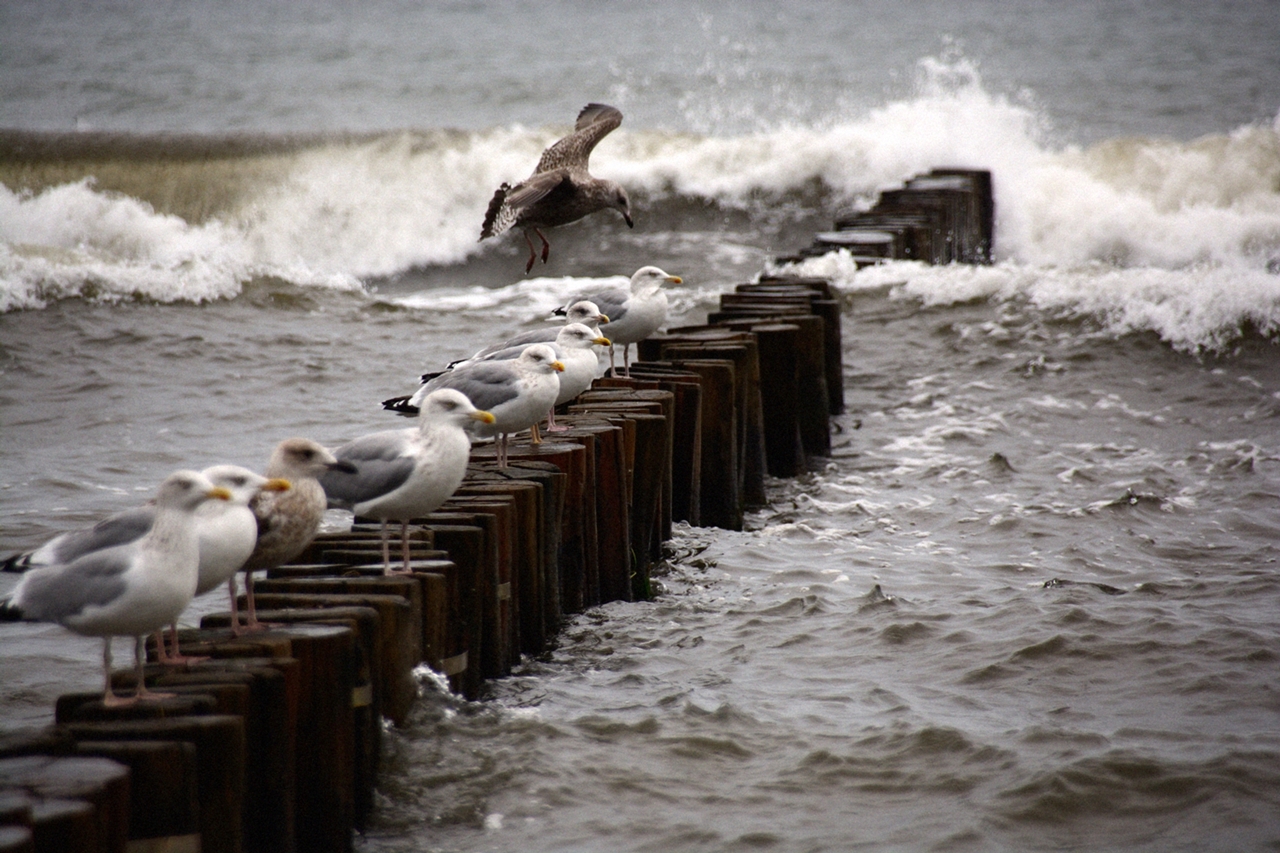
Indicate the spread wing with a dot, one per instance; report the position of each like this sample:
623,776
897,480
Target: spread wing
508,203
536,189
595,122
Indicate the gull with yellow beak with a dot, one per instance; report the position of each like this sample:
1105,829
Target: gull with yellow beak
402,474
635,312
517,392
131,589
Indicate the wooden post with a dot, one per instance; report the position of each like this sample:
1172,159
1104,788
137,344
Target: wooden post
496,515
570,458
164,803
398,647
99,783
219,747
524,600
466,547
610,464
687,427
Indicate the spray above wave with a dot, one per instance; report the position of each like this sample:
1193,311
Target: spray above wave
333,212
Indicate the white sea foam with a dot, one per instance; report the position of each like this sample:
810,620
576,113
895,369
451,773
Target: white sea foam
73,240
1146,234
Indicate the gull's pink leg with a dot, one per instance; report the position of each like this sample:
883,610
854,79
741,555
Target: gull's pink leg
386,550
139,656
109,697
533,254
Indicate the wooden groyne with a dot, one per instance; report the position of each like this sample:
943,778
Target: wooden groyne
274,742
944,216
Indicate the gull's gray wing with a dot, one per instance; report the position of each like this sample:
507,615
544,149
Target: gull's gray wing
119,529
611,302
594,123
55,593
485,383
381,467
522,340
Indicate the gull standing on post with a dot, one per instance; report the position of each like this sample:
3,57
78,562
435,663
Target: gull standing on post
585,312
560,190
517,392
573,347
635,312
226,532
402,474
130,589
287,521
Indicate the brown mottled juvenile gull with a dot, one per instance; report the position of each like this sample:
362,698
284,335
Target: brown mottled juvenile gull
636,311
287,521
402,474
518,392
560,190
130,589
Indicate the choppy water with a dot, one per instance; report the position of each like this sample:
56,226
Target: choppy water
1031,600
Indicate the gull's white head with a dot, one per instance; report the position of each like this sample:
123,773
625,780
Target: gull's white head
651,278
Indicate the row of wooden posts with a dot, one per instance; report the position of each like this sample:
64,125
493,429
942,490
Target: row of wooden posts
273,744
944,216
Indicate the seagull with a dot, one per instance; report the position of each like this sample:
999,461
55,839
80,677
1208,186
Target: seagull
287,521
560,190
635,312
226,532
517,392
585,312
130,589
403,474
572,346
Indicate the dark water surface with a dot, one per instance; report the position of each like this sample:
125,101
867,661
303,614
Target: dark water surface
1030,602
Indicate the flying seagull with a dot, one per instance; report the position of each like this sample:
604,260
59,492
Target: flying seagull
560,190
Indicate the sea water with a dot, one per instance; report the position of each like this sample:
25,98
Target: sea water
1030,600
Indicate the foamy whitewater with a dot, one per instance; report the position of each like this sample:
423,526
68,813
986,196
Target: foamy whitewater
1179,238
1029,602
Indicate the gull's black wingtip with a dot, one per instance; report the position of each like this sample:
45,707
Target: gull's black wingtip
400,405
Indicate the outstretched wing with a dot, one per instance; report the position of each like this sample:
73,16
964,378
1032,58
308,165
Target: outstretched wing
594,123
508,202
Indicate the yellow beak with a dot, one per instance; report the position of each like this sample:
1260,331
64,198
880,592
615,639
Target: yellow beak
675,279
557,366
603,341
218,493
482,416
603,320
